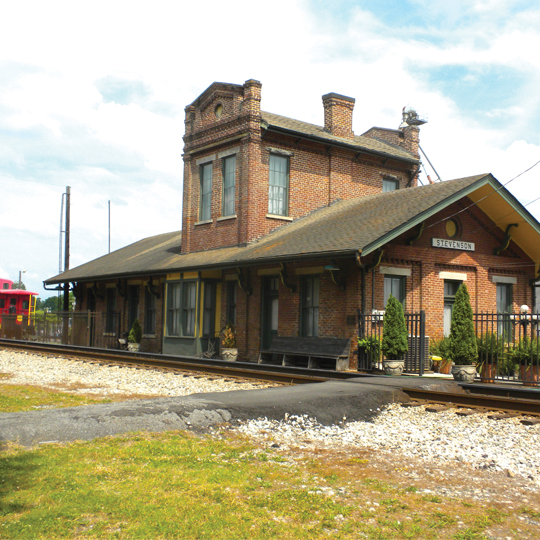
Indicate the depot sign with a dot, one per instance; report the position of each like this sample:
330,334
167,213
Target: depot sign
452,244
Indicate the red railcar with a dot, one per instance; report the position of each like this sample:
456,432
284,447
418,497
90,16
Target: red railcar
16,306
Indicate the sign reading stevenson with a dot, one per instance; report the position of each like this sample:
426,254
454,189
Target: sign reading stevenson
452,244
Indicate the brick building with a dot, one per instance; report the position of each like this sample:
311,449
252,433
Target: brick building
288,228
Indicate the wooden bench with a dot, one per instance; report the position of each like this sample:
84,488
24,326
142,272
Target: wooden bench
308,352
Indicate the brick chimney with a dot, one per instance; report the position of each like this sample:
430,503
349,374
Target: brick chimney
338,111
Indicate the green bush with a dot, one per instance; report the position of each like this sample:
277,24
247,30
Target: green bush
463,347
394,342
440,347
371,345
527,350
135,334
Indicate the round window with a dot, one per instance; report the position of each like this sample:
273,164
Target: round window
452,228
218,111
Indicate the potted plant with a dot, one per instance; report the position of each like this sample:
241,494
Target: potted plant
135,336
394,343
370,346
440,354
229,351
527,354
490,353
463,348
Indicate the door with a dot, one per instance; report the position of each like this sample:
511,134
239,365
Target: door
270,310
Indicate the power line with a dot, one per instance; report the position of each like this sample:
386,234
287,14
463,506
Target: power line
483,198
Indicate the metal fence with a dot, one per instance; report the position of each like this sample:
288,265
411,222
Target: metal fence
90,329
508,346
370,331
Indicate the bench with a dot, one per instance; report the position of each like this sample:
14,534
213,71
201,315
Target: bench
308,352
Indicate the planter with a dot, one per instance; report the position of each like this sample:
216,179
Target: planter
529,375
134,347
445,367
488,372
393,368
464,373
229,354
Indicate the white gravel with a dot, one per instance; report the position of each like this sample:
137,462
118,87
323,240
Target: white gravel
83,377
492,445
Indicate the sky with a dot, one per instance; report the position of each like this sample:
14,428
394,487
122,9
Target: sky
92,96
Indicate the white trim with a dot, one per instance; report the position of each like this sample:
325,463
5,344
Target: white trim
453,275
277,216
224,218
207,159
280,151
395,271
203,222
504,279
230,152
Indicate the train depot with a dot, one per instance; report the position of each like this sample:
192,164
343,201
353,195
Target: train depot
295,230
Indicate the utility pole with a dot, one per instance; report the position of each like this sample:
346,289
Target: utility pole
65,329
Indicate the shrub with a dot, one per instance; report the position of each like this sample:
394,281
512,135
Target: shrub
371,345
228,336
463,347
135,334
526,351
394,342
440,347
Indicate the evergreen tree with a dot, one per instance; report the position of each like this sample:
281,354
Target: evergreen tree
135,334
463,346
394,342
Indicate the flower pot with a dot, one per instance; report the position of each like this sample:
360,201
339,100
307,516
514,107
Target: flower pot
445,367
488,372
529,375
393,368
464,373
134,347
229,354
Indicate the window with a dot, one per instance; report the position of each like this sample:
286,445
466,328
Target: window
209,315
232,291
388,184
110,315
450,290
2,303
229,183
395,286
173,309
189,304
504,305
205,210
133,305
149,313
25,304
310,307
278,186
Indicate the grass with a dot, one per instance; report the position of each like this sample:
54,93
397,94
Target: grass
175,485
15,398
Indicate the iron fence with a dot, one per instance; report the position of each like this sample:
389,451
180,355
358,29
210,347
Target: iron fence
370,333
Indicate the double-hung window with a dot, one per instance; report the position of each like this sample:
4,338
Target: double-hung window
229,185
395,286
205,210
209,314
189,304
149,313
278,186
110,315
310,307
174,292
389,184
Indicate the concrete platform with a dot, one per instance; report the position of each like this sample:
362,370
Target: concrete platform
329,402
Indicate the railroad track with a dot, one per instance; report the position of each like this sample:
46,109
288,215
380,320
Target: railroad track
189,364
477,402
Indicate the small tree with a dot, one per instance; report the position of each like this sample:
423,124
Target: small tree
135,334
394,342
463,346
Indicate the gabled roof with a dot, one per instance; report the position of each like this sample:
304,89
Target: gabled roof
341,229
359,142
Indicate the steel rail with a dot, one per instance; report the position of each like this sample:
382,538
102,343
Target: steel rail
239,370
506,404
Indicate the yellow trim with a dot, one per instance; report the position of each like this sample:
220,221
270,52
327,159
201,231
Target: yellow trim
170,277
199,330
190,275
503,214
135,282
309,270
211,274
231,277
